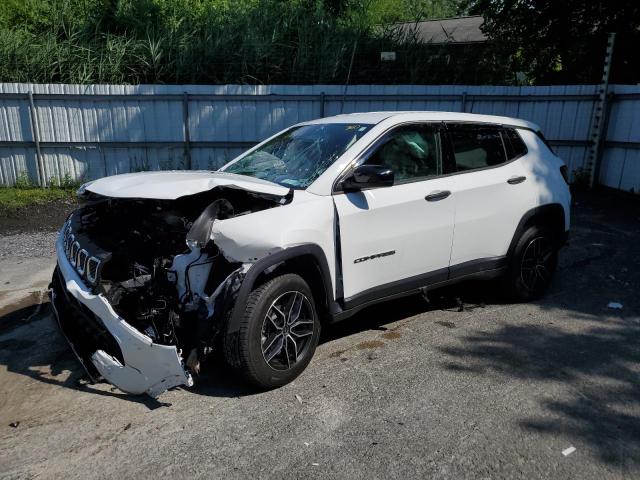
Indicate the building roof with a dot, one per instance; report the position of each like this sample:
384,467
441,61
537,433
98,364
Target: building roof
445,30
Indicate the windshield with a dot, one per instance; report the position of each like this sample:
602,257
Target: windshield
300,155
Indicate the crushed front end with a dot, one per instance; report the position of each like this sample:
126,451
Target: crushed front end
140,290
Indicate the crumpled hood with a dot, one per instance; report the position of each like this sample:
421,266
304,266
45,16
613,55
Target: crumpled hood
175,184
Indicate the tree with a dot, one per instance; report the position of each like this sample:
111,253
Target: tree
555,41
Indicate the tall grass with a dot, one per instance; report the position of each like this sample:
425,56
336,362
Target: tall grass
218,41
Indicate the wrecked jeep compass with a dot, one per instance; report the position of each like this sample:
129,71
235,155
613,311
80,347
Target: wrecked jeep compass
156,270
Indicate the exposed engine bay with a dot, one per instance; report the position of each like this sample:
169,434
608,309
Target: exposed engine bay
155,264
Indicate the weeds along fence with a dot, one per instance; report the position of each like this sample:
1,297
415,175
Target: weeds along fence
56,134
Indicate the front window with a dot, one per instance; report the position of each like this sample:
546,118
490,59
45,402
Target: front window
300,155
411,151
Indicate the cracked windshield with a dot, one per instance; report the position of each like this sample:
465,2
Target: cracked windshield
300,155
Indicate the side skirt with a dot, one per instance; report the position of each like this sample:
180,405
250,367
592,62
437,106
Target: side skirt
482,269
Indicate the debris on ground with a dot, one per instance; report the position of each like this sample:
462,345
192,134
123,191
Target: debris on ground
445,323
127,427
568,451
299,399
315,464
615,305
14,424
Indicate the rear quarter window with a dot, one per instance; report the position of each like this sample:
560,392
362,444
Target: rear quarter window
513,143
476,146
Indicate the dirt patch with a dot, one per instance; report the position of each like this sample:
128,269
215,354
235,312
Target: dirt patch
367,345
370,344
392,335
45,217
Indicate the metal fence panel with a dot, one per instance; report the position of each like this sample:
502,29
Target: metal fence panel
89,131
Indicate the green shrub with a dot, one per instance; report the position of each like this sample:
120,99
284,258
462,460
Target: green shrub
23,181
215,41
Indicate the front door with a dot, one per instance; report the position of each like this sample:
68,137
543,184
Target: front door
397,238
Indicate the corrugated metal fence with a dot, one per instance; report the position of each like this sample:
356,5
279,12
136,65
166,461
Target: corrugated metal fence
78,132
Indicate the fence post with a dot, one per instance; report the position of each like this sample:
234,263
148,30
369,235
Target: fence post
35,134
463,107
321,104
187,136
603,137
599,117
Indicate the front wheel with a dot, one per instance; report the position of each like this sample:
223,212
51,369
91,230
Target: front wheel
278,334
533,264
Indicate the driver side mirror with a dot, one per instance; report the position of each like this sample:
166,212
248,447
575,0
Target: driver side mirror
368,176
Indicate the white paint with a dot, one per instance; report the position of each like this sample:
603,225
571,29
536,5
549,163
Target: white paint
397,219
175,184
308,219
488,209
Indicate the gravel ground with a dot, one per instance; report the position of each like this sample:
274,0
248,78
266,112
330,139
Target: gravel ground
34,244
402,390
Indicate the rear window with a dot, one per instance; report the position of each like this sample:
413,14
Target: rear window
476,146
513,144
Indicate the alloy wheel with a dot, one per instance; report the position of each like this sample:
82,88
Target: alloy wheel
287,330
536,268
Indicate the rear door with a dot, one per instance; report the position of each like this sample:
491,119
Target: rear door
393,238
493,189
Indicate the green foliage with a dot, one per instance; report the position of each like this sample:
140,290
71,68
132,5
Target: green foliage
12,198
216,41
23,181
554,41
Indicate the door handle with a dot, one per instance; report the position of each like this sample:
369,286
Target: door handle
437,195
515,180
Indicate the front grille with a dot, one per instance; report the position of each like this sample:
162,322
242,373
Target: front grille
86,259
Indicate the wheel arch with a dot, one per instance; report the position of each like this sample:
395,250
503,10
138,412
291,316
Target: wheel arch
551,215
308,261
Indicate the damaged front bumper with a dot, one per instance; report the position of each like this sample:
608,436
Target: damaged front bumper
106,345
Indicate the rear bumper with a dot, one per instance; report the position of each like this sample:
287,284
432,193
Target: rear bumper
106,344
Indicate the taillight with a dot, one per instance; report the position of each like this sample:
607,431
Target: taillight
565,173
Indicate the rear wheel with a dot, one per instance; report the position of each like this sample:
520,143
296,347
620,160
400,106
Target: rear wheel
532,265
278,334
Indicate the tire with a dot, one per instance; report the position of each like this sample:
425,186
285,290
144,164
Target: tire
532,265
274,346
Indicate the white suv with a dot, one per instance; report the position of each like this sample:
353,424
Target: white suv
158,269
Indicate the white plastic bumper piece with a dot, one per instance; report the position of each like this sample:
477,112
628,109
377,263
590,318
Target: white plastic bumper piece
148,367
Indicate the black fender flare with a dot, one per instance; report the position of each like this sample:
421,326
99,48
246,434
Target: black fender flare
264,263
